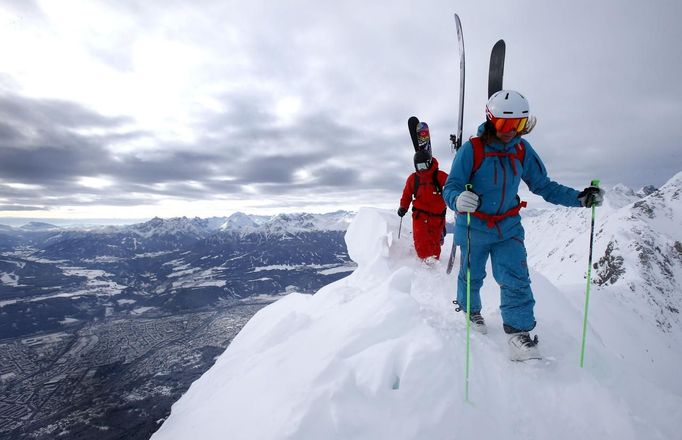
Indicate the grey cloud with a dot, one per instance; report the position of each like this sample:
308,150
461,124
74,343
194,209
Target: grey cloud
607,97
54,113
21,208
174,166
47,165
39,147
338,177
10,135
249,127
278,169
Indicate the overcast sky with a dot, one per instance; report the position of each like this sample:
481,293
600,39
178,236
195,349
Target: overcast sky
131,109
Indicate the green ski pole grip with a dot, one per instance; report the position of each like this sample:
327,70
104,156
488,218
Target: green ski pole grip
594,182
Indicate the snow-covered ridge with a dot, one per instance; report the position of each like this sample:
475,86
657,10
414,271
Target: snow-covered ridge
381,353
293,223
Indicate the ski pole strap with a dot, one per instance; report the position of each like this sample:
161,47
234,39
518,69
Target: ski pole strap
491,220
430,214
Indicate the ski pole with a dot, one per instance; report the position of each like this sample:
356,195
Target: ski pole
468,187
400,227
589,280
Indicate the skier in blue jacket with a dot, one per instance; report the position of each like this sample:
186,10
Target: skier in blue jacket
494,163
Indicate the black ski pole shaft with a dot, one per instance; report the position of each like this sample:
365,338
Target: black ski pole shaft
400,227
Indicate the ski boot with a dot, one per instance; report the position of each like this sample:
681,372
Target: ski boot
478,323
522,347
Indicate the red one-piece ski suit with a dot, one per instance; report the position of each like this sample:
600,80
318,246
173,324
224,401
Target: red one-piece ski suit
428,210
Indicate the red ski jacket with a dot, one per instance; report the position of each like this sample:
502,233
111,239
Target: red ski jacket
427,197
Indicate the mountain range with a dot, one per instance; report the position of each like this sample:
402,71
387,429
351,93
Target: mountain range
172,264
106,326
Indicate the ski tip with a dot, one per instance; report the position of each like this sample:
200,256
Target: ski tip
500,43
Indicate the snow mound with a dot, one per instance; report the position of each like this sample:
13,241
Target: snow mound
381,355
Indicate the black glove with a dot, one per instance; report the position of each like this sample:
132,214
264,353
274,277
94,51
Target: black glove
591,196
402,211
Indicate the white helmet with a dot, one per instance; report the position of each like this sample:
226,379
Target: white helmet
507,104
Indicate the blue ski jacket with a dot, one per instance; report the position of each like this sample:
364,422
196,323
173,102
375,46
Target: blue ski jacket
497,183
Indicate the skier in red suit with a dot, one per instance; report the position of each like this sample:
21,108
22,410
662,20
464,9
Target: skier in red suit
424,190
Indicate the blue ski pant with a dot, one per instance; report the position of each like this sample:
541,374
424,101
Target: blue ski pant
510,270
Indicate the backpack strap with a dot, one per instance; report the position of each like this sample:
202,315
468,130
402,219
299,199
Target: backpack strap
520,155
480,154
436,184
415,187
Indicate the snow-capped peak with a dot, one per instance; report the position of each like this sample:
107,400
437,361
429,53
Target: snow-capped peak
620,195
287,224
646,190
238,221
173,226
336,221
38,226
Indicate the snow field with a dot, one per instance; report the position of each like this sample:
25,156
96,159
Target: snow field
381,354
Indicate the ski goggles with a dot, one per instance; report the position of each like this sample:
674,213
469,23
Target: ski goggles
421,166
505,125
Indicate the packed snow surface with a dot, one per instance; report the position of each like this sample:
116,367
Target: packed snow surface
380,354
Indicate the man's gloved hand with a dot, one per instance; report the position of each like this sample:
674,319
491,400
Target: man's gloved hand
591,196
467,201
402,211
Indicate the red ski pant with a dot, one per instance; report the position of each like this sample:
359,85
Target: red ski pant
427,231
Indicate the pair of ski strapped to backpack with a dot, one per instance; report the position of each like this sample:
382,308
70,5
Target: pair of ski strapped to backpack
421,141
479,155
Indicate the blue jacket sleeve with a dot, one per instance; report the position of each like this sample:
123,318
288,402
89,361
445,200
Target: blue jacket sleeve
535,176
459,174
